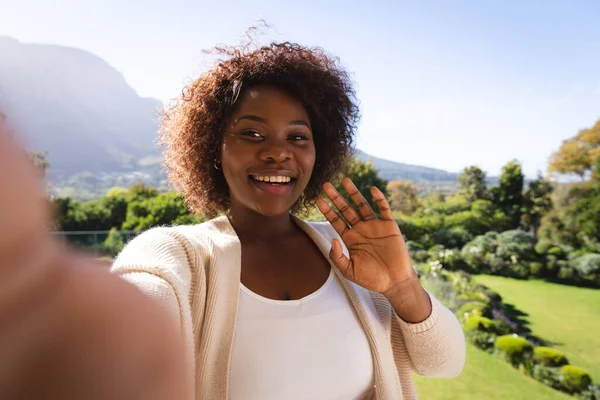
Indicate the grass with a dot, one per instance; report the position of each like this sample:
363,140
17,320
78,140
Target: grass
486,377
566,317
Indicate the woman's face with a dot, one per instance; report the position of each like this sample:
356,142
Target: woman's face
268,138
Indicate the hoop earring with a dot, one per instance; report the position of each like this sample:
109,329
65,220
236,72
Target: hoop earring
215,165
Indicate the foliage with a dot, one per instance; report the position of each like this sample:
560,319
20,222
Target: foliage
479,308
588,268
575,379
514,349
403,196
364,175
508,195
549,357
472,183
537,202
453,237
578,154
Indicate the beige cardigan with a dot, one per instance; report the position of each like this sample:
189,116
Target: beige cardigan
194,272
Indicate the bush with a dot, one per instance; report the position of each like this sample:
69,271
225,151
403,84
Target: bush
475,322
480,339
519,271
549,357
114,243
543,246
566,274
455,237
409,229
547,375
575,379
514,349
557,252
551,266
478,308
536,269
516,243
588,268
591,393
466,220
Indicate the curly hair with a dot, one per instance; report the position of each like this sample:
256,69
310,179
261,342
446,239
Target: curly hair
193,125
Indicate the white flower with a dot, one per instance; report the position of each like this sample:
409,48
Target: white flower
513,258
474,249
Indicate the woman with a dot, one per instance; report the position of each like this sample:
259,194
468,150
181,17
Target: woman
270,306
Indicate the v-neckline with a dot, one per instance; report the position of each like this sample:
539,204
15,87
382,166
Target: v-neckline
352,291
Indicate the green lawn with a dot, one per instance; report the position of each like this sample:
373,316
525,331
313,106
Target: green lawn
566,316
486,378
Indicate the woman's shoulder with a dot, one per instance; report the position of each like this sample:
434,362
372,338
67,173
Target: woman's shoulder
182,244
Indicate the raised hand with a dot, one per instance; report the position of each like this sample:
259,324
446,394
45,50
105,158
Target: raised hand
378,258
378,255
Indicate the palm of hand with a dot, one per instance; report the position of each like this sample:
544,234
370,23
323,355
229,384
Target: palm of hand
378,258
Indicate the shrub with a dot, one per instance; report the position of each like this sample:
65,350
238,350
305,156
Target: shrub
536,269
114,243
519,271
575,379
551,265
475,322
591,393
549,357
495,264
478,308
409,229
454,237
468,221
547,375
556,251
543,246
566,273
481,339
516,243
514,349
588,268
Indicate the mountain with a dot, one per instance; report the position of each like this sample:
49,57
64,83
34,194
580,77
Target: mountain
76,107
98,132
393,171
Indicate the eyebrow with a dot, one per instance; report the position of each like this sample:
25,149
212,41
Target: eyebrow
264,121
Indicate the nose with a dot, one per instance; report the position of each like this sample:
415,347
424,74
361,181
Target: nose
275,151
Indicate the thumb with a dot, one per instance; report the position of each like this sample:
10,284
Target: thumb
339,259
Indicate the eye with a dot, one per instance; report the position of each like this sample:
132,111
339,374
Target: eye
252,134
299,136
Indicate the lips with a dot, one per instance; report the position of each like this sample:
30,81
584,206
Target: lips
277,189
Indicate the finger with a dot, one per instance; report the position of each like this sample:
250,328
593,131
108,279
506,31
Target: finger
334,218
339,259
363,205
341,204
384,207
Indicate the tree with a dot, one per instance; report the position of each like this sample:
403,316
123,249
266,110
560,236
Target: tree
472,184
578,154
364,175
403,196
536,203
508,195
40,160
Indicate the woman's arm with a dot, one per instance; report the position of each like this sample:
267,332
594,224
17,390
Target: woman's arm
68,328
435,345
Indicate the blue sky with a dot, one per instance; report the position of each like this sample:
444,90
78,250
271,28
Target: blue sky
444,84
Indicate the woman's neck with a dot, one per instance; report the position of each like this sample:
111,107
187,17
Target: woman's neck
249,224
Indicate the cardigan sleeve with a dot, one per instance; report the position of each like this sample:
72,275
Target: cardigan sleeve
159,263
436,346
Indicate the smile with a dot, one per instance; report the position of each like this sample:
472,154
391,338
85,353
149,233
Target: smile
278,186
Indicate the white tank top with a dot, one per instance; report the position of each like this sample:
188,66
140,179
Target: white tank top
311,348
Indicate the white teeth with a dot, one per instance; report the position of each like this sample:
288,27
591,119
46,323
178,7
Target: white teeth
274,179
